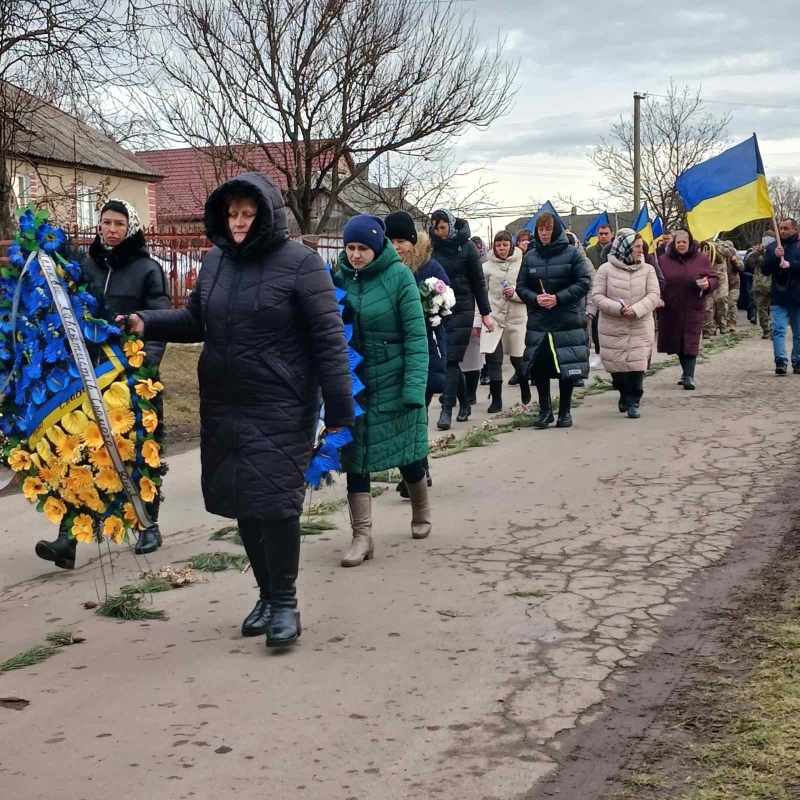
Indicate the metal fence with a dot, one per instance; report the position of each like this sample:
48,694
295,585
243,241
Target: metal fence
181,254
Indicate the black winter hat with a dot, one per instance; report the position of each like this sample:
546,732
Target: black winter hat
400,225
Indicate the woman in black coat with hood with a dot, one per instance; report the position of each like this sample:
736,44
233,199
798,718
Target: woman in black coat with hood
554,281
462,263
266,309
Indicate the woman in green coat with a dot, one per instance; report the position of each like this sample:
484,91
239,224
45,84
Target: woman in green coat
383,305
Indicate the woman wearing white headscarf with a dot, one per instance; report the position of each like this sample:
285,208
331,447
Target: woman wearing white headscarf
626,292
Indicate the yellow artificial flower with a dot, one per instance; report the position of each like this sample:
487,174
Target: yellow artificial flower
37,462
53,475
148,490
80,478
130,515
118,395
135,353
33,487
108,480
150,453
121,419
70,496
44,451
114,529
55,434
83,528
54,510
150,420
69,450
100,458
126,448
90,498
19,460
92,437
74,423
148,389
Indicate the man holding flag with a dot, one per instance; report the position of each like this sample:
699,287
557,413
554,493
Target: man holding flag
782,262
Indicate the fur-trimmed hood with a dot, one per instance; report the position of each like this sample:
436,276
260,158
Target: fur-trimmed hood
421,254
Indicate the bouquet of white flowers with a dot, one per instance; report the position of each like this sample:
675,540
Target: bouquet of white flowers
438,300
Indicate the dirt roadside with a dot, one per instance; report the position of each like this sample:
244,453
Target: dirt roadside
653,737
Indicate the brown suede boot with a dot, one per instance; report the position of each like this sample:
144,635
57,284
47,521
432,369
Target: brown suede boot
362,547
420,509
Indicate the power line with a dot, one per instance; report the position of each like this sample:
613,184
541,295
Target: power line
733,103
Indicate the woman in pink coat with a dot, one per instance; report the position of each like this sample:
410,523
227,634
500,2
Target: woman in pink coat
626,292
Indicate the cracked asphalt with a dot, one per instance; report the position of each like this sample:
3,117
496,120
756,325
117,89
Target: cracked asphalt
448,668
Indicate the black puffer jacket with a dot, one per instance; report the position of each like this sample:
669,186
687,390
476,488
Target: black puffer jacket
561,269
268,315
785,282
462,263
130,281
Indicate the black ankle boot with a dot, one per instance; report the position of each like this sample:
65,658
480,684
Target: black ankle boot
257,620
564,420
282,546
464,413
497,397
61,552
149,541
445,419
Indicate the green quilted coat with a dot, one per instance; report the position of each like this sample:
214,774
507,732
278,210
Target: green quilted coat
384,307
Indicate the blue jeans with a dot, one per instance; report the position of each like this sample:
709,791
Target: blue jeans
781,317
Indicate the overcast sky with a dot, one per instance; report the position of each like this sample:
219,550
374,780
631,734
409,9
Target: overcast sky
582,60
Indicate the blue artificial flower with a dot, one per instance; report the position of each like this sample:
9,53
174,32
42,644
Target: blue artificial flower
55,351
16,256
72,367
6,422
38,392
27,222
33,370
50,238
5,352
20,394
73,269
99,331
57,380
35,299
90,301
5,321
35,275
7,287
77,306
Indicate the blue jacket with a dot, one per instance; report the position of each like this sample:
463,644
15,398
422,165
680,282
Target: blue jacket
785,282
437,337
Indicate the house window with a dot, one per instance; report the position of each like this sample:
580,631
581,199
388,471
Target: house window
22,190
87,209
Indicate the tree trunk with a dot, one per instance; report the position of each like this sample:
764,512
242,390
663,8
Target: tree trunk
7,217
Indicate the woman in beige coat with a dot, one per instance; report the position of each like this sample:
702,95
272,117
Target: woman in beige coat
626,293
510,316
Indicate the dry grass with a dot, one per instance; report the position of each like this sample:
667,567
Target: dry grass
181,398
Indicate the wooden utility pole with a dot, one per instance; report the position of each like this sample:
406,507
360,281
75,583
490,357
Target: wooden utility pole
637,151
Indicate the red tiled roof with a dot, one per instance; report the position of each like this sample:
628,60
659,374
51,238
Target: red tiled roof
191,174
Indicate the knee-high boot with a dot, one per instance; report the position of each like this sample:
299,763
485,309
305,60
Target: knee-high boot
420,509
362,548
545,417
282,547
449,396
251,533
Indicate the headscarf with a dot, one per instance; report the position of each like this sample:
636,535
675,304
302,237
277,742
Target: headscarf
123,207
622,246
451,219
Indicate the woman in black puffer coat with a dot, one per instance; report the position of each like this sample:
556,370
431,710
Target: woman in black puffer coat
266,309
553,282
462,263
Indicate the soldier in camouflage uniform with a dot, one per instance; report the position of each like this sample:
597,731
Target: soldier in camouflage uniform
762,288
735,267
717,303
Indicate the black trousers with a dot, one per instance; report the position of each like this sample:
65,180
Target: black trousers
543,370
630,385
494,361
273,547
459,386
360,484
596,333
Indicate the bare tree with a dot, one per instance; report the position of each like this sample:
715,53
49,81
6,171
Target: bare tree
339,82
56,51
677,132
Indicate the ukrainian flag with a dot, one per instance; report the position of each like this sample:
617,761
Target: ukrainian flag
548,206
726,191
643,226
590,237
658,232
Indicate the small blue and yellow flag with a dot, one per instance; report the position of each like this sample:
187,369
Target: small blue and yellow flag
590,237
726,191
643,226
548,206
658,232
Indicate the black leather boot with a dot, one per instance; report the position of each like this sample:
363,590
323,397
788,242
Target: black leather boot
149,541
257,621
497,397
61,552
464,413
445,419
282,546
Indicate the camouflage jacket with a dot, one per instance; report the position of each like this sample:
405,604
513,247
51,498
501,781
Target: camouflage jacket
734,264
762,284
